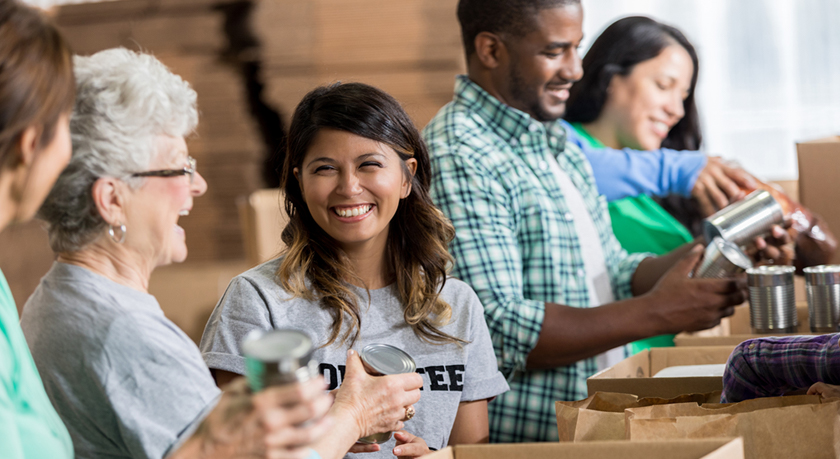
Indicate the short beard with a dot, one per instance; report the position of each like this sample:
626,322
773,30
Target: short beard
529,99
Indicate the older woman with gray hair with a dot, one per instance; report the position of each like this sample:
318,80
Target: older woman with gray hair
124,379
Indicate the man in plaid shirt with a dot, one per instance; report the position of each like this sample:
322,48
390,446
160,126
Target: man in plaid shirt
770,367
533,237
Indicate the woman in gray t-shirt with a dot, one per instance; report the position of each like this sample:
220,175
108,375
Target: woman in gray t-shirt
366,262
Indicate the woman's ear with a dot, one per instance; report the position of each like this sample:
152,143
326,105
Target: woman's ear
411,165
28,147
109,197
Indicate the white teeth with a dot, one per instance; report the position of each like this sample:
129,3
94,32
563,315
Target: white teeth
353,212
661,125
184,213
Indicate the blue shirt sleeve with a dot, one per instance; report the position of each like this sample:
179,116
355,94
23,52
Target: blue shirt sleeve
626,173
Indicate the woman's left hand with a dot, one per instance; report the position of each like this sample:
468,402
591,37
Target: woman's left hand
409,445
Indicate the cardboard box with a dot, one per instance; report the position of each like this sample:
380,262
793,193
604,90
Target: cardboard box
736,329
819,188
634,375
262,218
723,448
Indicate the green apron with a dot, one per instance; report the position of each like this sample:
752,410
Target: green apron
642,225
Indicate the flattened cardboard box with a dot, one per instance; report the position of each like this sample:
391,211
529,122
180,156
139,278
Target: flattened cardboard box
723,448
819,189
737,329
634,375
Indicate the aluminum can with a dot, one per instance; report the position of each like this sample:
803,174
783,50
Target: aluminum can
772,302
822,285
278,357
380,360
723,259
741,221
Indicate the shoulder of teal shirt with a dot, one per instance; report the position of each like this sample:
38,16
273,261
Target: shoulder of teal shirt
33,427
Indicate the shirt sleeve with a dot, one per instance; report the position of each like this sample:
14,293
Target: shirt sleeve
241,309
157,390
487,255
768,367
12,447
627,173
482,379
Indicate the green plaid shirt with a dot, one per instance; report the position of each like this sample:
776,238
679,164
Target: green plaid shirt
516,243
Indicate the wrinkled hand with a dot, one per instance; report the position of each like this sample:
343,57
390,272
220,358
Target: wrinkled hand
409,446
267,424
685,304
719,184
824,390
375,403
776,249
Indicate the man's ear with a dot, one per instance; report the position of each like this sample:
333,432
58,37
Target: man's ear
489,49
109,197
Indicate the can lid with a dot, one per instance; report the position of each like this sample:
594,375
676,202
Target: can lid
274,345
822,274
733,253
770,276
387,359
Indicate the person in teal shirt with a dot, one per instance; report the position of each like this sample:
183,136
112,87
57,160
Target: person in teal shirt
37,91
37,94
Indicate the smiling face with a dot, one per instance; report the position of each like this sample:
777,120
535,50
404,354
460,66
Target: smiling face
352,187
153,209
643,106
539,68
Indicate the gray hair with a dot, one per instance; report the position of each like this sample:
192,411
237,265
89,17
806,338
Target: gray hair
124,101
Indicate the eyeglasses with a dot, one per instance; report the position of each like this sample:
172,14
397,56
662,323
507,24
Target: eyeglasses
189,170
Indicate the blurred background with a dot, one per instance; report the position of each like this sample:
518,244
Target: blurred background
769,77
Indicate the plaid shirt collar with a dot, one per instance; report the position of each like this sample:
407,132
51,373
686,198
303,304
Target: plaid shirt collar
507,122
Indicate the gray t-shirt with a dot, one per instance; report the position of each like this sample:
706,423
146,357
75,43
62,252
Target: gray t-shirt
126,381
451,373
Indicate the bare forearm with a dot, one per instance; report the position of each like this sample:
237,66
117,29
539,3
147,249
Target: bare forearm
342,436
571,334
651,269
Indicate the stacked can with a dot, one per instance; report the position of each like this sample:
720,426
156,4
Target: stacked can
822,284
772,301
278,357
379,360
722,259
742,221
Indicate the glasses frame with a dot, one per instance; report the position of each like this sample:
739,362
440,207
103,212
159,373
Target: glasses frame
189,170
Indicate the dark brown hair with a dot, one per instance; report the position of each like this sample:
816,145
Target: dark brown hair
419,233
36,75
616,51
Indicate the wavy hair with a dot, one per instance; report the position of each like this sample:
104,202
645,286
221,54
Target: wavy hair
315,267
622,45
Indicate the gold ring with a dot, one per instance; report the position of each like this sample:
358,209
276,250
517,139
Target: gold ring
409,412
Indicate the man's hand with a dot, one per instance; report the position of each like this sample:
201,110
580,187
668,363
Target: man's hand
684,304
719,184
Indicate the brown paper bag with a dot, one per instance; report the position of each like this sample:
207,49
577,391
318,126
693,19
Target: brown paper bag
601,416
774,427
